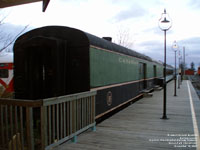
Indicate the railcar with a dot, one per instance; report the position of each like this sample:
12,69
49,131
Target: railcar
54,60
198,71
6,75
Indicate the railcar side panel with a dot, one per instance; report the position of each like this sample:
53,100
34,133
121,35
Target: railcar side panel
159,71
154,71
114,96
150,73
108,68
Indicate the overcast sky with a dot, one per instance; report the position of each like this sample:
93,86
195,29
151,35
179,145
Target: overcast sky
108,17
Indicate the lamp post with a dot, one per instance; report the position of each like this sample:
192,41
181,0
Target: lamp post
183,61
164,24
175,48
179,71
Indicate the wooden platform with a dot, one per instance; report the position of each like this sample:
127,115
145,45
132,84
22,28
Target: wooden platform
139,127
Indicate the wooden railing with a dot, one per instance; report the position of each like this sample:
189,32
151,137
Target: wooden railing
42,124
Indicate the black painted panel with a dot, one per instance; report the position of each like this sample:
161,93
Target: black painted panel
120,94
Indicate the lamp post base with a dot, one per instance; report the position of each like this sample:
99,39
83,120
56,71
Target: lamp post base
164,118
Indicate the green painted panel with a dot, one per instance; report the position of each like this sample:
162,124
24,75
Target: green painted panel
150,73
109,68
150,70
160,71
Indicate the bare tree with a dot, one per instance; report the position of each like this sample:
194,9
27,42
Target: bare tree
7,39
124,38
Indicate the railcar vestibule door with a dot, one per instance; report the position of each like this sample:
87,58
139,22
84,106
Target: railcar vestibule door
142,76
39,73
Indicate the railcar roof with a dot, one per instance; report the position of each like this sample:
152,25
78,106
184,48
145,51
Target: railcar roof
99,42
67,32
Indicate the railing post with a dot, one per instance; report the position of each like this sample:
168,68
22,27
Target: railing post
2,141
43,116
74,139
94,128
94,112
93,108
21,127
29,128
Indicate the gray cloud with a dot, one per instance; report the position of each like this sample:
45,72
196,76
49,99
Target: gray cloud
157,30
192,40
154,49
134,11
191,44
192,48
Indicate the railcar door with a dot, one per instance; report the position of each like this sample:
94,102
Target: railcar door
39,69
55,59
142,76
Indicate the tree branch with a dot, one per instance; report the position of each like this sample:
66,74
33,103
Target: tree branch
7,45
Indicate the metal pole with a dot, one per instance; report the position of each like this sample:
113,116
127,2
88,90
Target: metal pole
175,77
184,61
164,94
179,71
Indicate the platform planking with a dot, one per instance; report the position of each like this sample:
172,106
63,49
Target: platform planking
139,127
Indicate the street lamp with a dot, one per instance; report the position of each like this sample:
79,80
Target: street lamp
175,48
164,24
179,71
183,61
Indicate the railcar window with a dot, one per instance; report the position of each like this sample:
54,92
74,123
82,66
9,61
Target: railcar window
3,73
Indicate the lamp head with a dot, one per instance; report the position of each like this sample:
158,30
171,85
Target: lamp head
165,22
175,46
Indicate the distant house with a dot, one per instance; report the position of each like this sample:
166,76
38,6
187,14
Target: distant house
189,72
198,72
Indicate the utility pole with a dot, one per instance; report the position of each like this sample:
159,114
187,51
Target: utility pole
183,61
